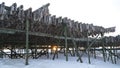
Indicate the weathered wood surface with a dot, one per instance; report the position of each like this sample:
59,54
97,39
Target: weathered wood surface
42,21
43,24
47,30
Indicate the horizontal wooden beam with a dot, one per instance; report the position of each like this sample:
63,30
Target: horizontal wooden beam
13,31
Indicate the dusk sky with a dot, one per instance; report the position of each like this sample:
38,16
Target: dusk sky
104,13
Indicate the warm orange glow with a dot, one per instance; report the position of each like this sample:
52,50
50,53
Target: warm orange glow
54,48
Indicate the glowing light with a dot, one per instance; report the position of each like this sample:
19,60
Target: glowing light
49,46
54,48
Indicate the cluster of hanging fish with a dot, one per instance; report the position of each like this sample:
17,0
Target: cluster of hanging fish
41,20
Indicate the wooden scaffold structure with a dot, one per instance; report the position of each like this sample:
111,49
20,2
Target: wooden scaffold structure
31,34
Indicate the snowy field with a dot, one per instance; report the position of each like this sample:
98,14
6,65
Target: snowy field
43,62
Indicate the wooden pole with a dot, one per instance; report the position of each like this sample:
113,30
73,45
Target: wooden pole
103,49
76,50
27,42
66,47
88,49
11,52
94,53
47,51
103,54
111,54
108,57
1,52
73,51
115,54
35,52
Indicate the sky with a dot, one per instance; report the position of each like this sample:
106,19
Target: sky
104,13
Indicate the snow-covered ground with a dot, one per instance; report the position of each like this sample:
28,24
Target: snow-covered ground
43,62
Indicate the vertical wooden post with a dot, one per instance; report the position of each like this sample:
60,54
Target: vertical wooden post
108,57
103,50
47,51
11,52
111,54
66,47
27,41
1,51
94,53
103,54
35,52
88,50
57,53
54,55
115,54
73,51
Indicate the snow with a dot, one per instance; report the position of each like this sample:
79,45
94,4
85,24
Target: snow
43,62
